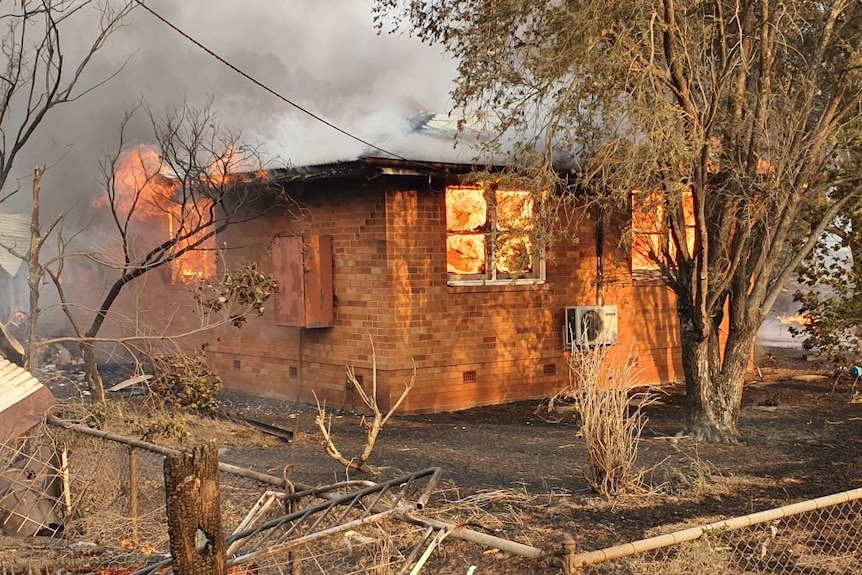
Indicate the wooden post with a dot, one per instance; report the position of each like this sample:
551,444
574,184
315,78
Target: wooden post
194,512
133,492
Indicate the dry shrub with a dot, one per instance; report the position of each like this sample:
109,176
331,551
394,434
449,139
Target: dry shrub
612,416
693,478
185,381
373,426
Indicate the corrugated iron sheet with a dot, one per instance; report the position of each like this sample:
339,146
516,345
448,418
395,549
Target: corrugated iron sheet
24,401
14,234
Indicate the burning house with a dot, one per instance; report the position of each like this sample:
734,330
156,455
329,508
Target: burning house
438,270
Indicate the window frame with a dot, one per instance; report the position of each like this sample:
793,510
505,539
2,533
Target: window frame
491,232
658,235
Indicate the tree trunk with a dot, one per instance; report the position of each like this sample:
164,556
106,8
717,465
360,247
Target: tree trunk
714,383
94,378
34,271
194,512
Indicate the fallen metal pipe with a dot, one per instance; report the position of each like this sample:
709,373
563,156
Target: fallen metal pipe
478,537
659,541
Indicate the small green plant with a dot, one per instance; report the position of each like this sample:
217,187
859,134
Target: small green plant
183,381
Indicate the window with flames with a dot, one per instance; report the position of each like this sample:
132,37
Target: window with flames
650,235
197,262
488,236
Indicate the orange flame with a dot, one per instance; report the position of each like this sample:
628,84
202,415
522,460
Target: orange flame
234,166
797,319
140,189
142,192
197,262
144,189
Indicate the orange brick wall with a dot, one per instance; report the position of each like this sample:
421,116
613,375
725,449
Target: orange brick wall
511,336
390,284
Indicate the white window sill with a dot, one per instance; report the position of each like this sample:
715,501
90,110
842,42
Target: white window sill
507,282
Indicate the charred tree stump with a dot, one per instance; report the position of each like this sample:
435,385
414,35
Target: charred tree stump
194,512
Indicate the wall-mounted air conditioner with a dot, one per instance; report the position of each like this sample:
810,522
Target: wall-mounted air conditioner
589,325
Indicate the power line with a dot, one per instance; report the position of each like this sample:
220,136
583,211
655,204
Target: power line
260,84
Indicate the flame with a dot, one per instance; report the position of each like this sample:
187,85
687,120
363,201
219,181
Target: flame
140,188
798,319
144,189
467,221
235,166
142,192
198,262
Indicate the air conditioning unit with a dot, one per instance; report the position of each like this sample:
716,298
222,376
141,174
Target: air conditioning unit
589,325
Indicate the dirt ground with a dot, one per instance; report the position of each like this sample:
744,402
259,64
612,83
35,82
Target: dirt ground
801,437
522,471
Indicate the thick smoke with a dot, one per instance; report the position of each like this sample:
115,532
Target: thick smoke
324,56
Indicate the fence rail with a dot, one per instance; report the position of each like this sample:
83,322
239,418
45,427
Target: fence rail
820,536
112,493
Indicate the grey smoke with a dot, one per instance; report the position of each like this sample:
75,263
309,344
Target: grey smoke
325,56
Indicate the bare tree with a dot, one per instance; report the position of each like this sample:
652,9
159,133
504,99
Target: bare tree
196,181
373,427
37,73
730,121
162,206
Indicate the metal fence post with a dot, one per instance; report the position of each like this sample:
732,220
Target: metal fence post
133,491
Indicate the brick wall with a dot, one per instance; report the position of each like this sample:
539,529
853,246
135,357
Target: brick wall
472,345
476,345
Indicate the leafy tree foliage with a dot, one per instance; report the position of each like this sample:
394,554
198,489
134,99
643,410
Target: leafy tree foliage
747,111
831,304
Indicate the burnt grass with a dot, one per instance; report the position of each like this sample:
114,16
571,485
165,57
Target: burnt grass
801,437
519,472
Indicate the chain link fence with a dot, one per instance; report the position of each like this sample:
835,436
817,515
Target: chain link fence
108,498
816,537
101,491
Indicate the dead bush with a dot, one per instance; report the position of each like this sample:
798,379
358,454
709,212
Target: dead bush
185,381
238,293
612,416
692,477
373,426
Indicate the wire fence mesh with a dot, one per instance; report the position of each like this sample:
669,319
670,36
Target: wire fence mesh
822,541
105,492
112,496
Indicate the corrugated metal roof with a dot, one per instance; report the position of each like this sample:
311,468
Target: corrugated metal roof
16,384
14,234
24,401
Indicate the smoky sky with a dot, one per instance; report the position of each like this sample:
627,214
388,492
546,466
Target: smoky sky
322,55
